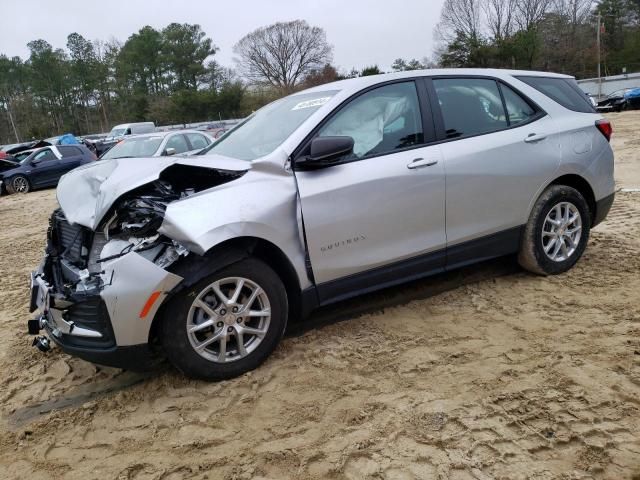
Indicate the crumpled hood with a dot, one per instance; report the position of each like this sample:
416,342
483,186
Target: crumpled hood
86,193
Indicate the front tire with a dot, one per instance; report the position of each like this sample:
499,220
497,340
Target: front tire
557,232
226,324
18,184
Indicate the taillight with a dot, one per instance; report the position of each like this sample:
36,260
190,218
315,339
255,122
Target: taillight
605,128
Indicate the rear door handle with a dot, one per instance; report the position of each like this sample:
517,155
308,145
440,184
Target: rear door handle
421,162
535,137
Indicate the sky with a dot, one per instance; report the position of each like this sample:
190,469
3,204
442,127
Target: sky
362,32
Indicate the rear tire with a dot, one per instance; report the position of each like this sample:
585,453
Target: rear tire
557,232
226,324
18,184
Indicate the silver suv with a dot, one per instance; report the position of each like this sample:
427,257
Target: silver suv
323,195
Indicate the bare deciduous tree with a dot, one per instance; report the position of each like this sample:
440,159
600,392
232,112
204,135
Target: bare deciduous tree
459,18
528,13
499,17
282,54
576,11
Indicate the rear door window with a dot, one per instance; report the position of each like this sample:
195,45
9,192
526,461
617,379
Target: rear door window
564,91
518,109
197,141
470,106
179,143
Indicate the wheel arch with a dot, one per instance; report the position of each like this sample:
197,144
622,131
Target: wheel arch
581,185
8,179
195,267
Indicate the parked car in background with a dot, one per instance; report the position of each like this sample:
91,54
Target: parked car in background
220,133
44,167
119,132
18,157
94,137
323,195
21,147
625,99
8,163
6,148
159,144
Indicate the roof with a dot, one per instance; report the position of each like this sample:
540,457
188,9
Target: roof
161,134
363,82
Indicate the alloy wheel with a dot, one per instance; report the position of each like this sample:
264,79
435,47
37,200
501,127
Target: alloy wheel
20,185
561,231
228,319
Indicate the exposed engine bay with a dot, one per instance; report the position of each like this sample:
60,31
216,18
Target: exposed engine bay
131,225
132,234
137,216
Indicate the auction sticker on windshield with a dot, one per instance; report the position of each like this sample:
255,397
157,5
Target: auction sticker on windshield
316,102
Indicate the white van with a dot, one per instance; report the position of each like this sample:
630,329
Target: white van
132,129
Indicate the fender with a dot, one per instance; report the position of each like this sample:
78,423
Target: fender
261,204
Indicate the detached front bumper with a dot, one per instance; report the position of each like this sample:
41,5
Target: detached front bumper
107,318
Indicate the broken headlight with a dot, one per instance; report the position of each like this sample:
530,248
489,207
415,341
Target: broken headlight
141,213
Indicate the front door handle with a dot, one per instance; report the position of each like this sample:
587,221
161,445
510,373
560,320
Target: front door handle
535,137
422,162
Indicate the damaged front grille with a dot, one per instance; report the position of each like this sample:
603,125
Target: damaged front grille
69,242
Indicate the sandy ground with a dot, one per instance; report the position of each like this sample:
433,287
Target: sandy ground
484,373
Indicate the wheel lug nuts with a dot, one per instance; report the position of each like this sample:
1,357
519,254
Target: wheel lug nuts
219,324
239,320
235,309
230,329
223,312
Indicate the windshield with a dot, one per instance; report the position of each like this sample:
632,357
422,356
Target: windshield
134,147
265,130
117,132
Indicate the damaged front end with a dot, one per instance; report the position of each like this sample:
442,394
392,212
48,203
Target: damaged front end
98,290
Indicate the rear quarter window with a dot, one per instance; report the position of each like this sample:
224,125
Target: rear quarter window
564,91
68,151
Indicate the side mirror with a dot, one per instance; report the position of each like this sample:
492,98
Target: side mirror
168,152
326,151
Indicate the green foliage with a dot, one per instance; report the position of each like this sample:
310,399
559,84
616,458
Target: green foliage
401,65
184,50
553,41
621,38
372,70
167,76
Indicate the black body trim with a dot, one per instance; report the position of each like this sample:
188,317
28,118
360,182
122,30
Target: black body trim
602,209
381,277
137,358
477,250
484,248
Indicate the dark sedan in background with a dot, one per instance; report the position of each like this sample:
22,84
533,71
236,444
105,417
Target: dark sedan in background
43,168
625,99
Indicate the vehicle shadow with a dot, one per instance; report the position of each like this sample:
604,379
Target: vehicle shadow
338,312
404,293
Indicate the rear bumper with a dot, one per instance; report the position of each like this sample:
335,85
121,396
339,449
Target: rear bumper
602,209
